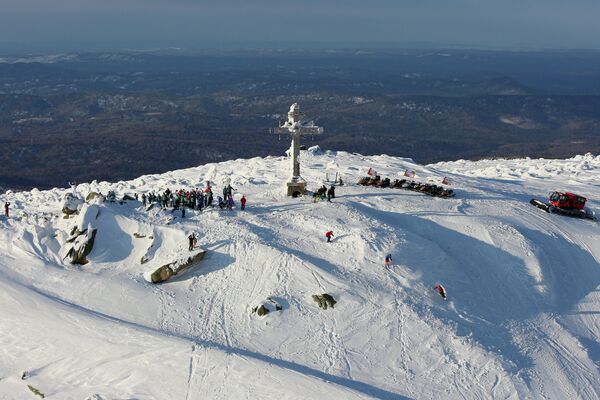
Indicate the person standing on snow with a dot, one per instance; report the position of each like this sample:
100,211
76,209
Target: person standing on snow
229,190
329,235
388,260
440,289
323,191
6,205
200,200
243,202
192,241
331,193
225,193
208,198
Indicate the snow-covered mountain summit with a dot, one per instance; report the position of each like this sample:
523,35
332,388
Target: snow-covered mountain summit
522,318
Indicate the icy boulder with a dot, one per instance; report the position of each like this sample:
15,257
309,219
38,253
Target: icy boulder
83,243
162,274
83,235
71,203
315,150
165,272
267,306
94,197
88,215
324,300
83,246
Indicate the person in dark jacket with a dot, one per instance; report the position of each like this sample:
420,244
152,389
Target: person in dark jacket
192,241
225,192
199,200
331,193
322,192
388,260
6,205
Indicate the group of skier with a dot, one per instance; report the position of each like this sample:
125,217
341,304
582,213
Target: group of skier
323,192
195,199
387,262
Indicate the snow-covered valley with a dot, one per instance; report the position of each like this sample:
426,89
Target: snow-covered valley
522,318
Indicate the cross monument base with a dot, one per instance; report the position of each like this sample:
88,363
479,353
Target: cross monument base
296,188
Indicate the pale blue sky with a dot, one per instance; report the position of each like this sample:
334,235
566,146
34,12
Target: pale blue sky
463,23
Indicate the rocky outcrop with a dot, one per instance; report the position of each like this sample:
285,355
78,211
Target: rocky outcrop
71,203
36,391
83,245
83,235
324,300
167,271
162,274
94,197
267,306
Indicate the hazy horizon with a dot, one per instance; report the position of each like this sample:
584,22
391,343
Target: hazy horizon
33,25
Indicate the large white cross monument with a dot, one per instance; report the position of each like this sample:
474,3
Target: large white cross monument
295,127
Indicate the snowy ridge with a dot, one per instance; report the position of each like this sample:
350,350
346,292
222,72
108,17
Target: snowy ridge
522,318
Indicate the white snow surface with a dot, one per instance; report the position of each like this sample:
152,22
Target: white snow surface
522,319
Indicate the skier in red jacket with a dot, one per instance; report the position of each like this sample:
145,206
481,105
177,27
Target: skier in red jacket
329,235
440,289
243,202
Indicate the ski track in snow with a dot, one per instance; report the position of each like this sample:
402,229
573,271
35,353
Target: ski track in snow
521,320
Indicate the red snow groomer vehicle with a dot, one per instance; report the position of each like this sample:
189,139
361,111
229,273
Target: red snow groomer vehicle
566,204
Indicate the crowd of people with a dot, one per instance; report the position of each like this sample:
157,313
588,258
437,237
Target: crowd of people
323,192
194,199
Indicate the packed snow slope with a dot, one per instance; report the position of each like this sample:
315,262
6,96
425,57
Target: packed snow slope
522,318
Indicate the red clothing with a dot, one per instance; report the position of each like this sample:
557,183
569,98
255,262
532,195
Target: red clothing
329,234
440,289
243,200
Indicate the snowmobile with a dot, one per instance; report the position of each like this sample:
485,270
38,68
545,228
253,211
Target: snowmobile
425,188
369,181
566,203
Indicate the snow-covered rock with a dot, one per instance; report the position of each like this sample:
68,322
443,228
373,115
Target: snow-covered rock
71,203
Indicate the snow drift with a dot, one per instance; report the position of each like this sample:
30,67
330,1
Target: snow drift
522,319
